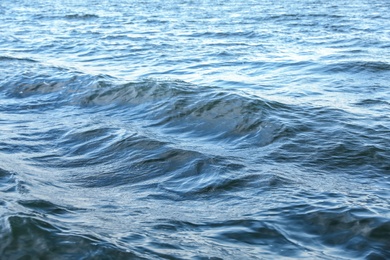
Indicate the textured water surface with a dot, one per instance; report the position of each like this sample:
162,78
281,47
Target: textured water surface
195,129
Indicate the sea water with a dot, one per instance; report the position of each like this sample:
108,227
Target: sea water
195,129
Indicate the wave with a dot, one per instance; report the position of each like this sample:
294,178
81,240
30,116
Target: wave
26,236
358,67
352,229
277,149
16,59
170,112
142,153
175,106
81,16
339,231
181,107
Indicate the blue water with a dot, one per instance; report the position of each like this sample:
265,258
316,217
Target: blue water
195,129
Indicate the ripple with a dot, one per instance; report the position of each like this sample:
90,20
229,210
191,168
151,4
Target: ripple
43,240
341,227
194,130
81,16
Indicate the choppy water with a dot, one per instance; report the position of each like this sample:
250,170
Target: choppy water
195,129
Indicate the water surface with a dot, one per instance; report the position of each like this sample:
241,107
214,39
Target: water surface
194,129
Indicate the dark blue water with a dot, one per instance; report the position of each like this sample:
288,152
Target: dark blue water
195,129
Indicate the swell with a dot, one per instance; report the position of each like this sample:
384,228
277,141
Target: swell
165,142
102,119
174,107
140,133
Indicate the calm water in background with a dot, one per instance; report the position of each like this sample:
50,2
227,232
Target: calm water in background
195,129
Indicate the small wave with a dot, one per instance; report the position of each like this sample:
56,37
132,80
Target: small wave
10,58
54,86
370,102
81,16
358,67
254,232
224,34
182,108
365,236
33,237
37,87
7,179
46,207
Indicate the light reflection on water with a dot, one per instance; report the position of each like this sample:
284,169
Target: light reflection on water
194,129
